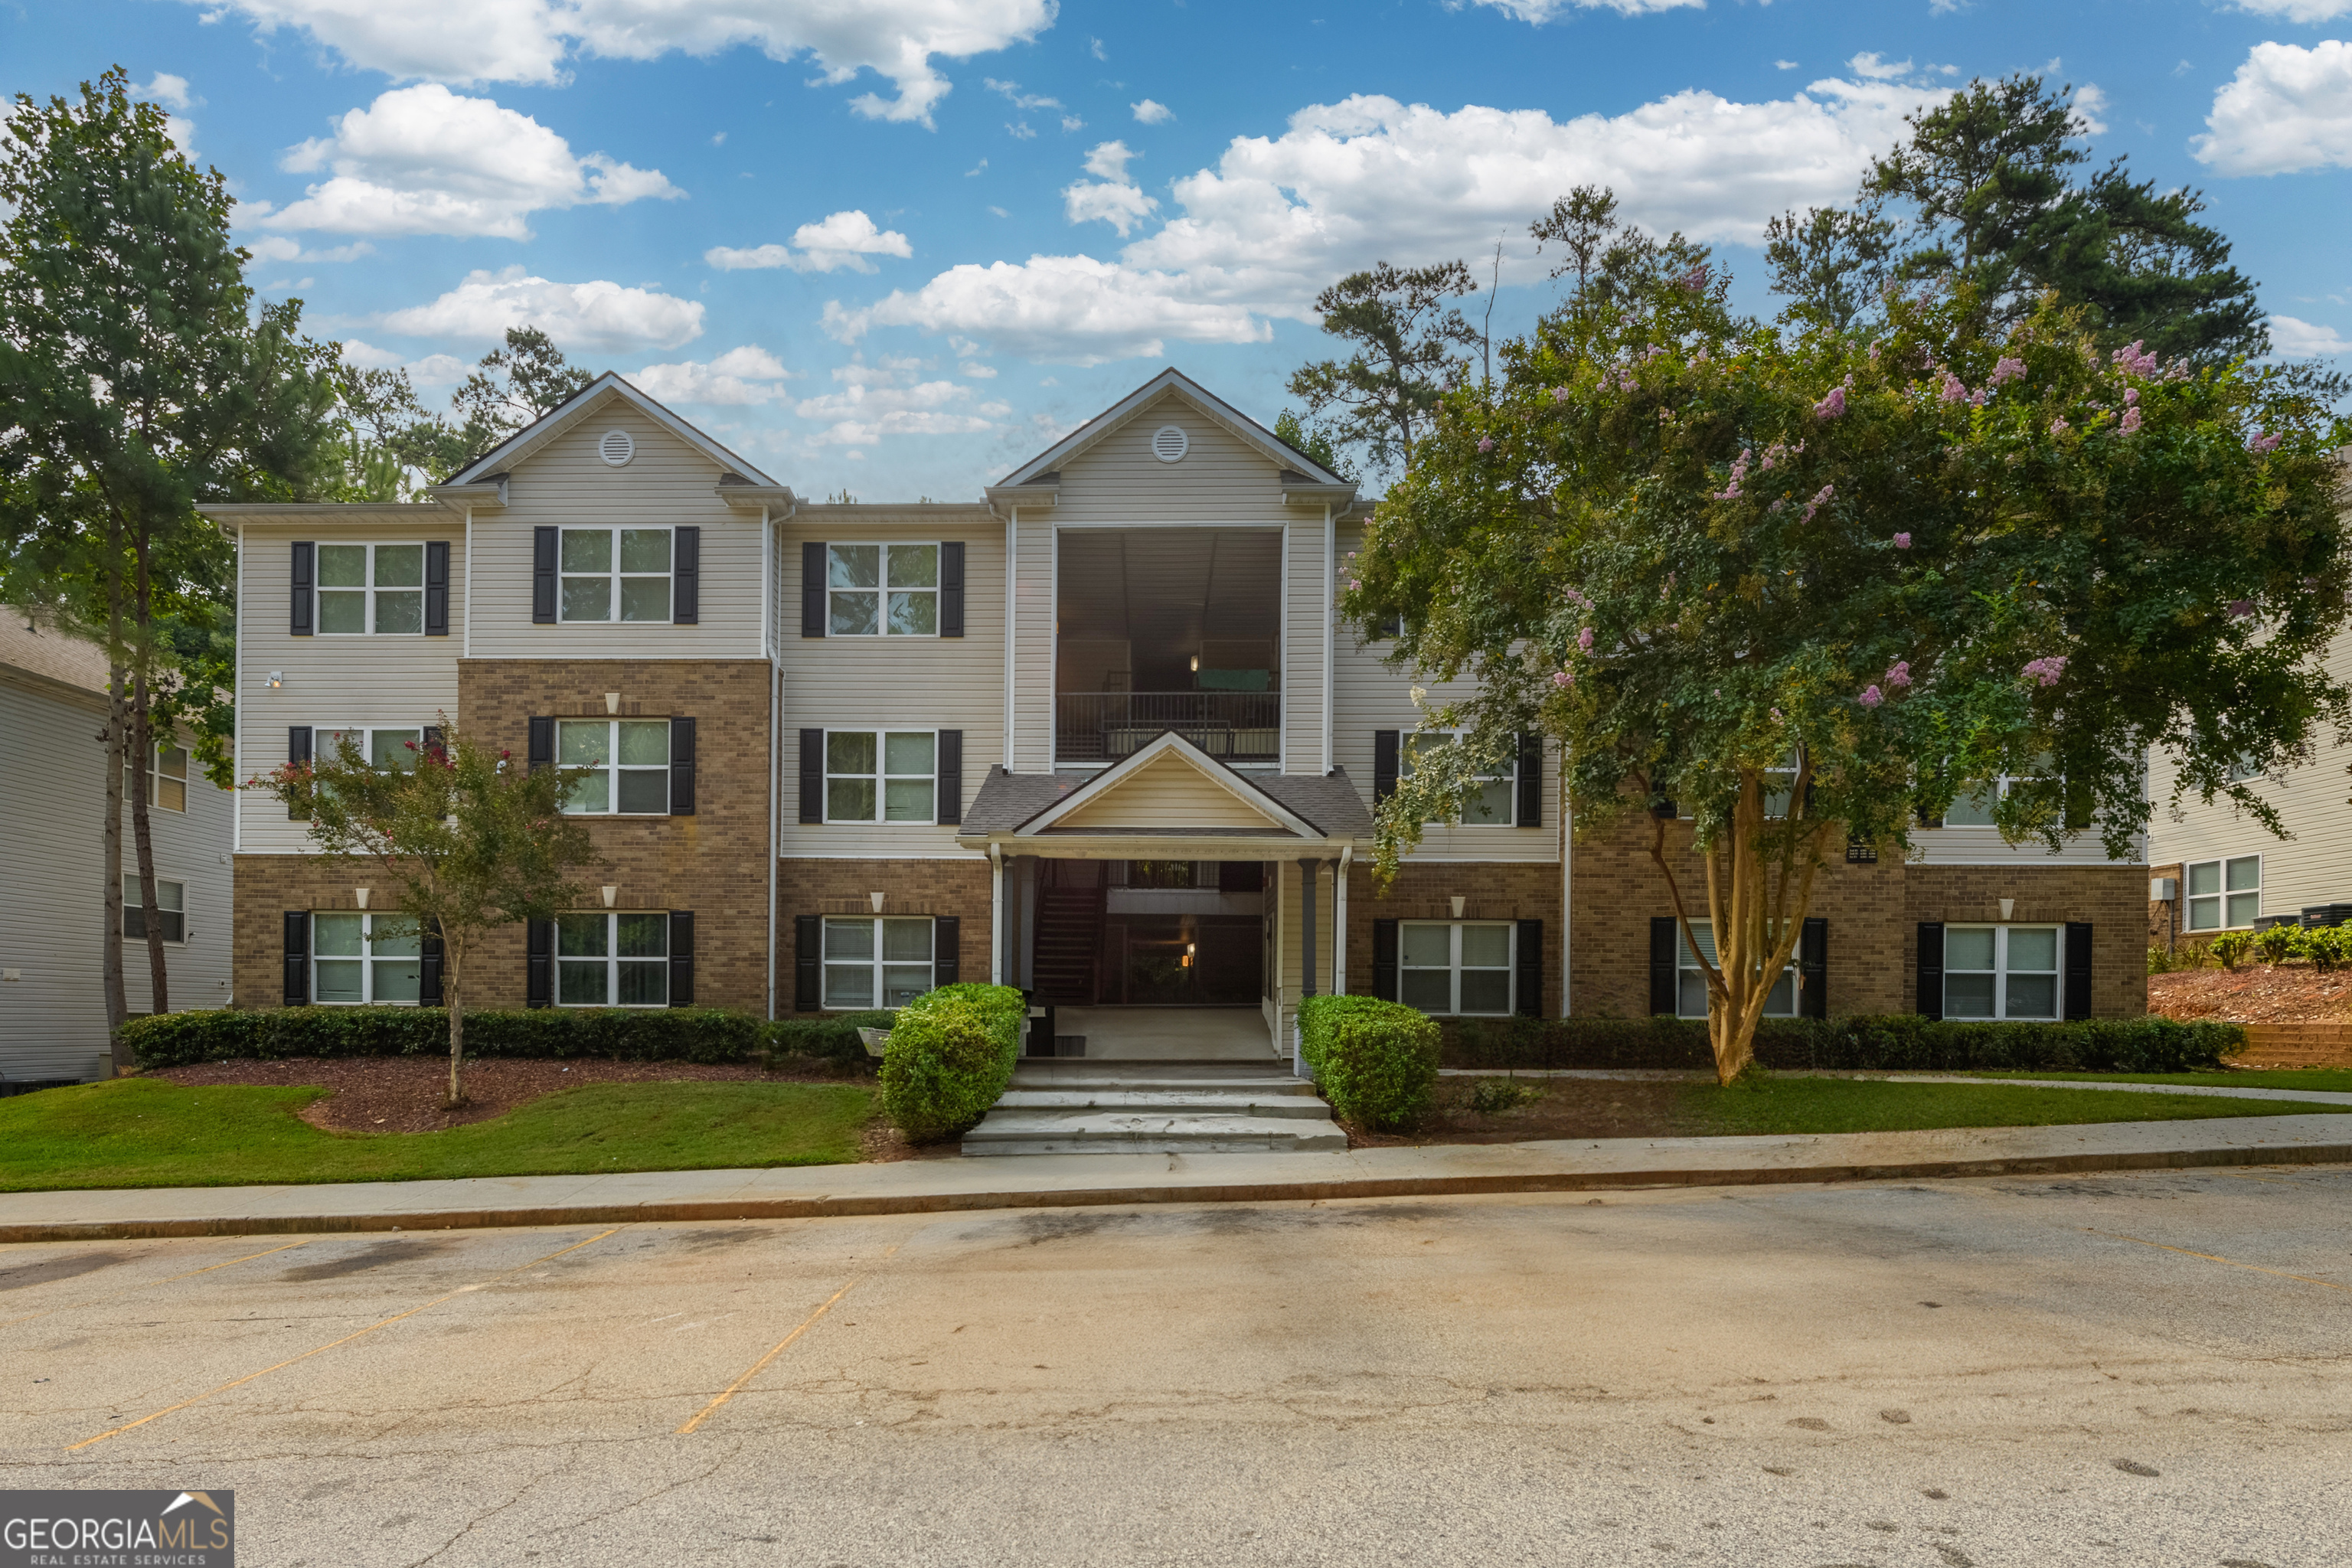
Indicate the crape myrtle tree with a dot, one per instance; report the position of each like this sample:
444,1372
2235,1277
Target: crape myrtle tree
471,840
1803,587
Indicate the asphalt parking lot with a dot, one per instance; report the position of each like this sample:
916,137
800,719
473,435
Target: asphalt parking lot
2133,1369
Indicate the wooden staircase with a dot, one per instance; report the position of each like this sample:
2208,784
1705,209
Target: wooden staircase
1069,944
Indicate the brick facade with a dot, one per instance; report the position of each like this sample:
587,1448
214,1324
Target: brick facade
960,887
1426,891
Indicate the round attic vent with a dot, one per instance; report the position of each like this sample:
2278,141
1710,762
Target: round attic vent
1168,443
616,448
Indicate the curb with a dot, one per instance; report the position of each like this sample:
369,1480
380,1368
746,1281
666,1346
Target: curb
1251,1192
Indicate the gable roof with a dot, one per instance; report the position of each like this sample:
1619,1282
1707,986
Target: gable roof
532,437
1308,806
1275,450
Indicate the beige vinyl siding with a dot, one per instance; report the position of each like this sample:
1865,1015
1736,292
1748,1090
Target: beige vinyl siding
667,482
1168,792
885,683
1982,847
1305,613
369,680
1033,531
1221,478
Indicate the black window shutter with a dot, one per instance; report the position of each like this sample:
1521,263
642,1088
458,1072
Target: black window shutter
686,575
1384,764
1531,780
298,958
950,806
538,964
947,950
1665,940
1813,968
808,932
812,589
681,767
2078,969
542,743
1531,967
542,576
298,751
431,741
429,966
952,588
2078,803
1931,998
812,775
306,583
1384,960
681,958
437,587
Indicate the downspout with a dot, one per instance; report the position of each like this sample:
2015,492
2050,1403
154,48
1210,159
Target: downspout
1330,638
995,914
1012,624
236,794
775,749
1340,919
1566,888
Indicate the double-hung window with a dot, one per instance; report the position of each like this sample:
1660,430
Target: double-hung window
615,574
1492,804
374,588
627,762
612,961
391,750
881,775
361,958
1974,809
167,778
884,961
2224,893
1690,977
170,910
1457,968
2000,972
882,590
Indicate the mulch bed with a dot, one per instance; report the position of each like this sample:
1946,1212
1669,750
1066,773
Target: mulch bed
403,1094
1569,1107
2255,994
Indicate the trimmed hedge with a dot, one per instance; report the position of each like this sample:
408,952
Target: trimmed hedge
1897,1042
949,1054
1375,1061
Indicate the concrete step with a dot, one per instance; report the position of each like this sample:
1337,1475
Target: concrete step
1060,1106
1277,1100
1111,1132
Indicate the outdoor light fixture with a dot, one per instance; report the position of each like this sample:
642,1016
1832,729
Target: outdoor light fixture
878,902
361,894
276,678
612,703
1196,664
610,893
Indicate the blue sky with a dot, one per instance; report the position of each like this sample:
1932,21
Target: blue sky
897,246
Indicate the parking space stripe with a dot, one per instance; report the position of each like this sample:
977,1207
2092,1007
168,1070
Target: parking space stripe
778,1349
134,1289
306,1355
2215,1257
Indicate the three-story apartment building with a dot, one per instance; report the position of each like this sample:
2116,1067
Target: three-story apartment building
1101,735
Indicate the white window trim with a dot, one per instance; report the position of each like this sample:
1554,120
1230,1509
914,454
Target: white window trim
368,594
1508,777
611,767
881,778
875,966
1686,963
612,961
1454,965
131,909
2220,898
323,750
2000,971
883,590
613,577
365,959
156,777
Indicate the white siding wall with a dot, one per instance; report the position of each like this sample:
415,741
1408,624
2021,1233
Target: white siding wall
1033,531
1306,616
875,683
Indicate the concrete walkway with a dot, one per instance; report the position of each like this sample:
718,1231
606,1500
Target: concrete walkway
1051,1181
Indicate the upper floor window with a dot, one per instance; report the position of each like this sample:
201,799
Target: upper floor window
1494,804
359,958
1974,809
882,590
170,910
2223,893
2000,972
890,776
372,588
167,778
615,574
629,763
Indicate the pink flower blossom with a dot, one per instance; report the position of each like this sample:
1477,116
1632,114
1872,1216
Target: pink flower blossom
2059,426
2045,671
1776,713
1820,499
1738,472
1696,278
2241,609
2008,368
1898,674
2265,442
1902,541
2135,360
2131,395
1485,443
1584,639
1353,585
1561,393
1576,596
1951,389
2130,426
1564,678
1833,407
1871,697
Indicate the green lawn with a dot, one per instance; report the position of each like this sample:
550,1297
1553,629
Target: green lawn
146,1132
1776,1104
2325,1080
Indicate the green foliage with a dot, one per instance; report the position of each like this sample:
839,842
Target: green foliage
1897,1042
950,1053
1375,1061
1316,443
621,1034
2278,943
1766,1103
391,435
1383,397
1495,1096
2232,948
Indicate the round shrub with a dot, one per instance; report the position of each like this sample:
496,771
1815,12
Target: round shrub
1375,1061
944,1066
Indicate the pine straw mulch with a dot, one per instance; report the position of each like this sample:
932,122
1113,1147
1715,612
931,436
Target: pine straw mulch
1569,1107
2257,994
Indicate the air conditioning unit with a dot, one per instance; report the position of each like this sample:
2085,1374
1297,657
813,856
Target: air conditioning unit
2163,889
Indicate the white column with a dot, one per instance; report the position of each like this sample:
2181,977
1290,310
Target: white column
995,914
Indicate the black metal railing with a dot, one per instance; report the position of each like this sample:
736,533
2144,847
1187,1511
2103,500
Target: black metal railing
1106,726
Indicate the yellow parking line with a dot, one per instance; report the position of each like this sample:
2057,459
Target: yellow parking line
805,1325
306,1355
151,1283
2212,1258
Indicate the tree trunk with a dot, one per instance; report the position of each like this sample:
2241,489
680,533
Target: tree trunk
118,1005
143,833
451,964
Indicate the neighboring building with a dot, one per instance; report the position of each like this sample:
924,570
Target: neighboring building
1101,735
52,882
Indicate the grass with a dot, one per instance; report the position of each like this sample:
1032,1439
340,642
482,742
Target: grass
146,1132
2324,1080
1775,1104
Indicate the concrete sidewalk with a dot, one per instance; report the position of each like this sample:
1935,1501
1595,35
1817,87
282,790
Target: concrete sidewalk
1054,1181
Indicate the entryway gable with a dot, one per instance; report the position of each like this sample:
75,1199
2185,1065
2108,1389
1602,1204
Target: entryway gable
1169,783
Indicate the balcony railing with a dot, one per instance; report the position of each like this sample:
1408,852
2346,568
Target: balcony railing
1106,726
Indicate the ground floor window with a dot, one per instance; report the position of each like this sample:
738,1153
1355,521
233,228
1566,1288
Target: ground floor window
1690,992
885,961
2000,972
171,911
612,961
361,958
2223,893
1456,968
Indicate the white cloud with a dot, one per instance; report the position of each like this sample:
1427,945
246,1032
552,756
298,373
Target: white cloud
423,160
1021,100
2298,10
1150,113
171,91
527,40
843,240
277,248
1541,10
433,370
1111,196
1109,161
890,399
1784,65
1068,309
1869,63
2286,109
2304,340
1021,132
739,377
599,317
1071,123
